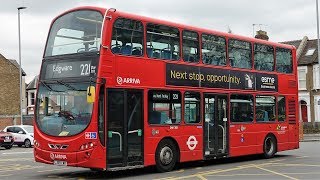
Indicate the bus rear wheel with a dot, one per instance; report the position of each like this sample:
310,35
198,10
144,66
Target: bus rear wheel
166,156
269,147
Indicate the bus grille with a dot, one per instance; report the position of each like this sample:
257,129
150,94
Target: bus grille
292,111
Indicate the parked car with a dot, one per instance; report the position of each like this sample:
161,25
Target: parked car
6,140
22,134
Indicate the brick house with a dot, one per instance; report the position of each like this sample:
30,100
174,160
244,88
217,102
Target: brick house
309,82
9,92
31,95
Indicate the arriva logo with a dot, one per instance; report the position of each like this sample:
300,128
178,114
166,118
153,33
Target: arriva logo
127,80
58,156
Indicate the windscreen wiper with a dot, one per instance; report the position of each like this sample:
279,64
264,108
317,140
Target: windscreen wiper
45,85
48,87
68,85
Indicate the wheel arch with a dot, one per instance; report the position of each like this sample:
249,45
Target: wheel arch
275,138
174,142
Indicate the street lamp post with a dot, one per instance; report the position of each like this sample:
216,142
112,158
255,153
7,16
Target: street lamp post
20,69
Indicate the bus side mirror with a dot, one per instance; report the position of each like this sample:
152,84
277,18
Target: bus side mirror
91,94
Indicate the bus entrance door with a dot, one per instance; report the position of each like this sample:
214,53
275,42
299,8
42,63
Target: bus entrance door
124,125
215,125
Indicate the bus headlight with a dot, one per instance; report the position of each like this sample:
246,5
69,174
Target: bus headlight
87,146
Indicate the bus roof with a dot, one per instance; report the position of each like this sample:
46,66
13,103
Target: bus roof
180,26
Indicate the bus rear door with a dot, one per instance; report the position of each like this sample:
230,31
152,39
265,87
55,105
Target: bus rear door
215,125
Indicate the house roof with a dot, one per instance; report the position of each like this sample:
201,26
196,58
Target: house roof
33,83
303,47
13,62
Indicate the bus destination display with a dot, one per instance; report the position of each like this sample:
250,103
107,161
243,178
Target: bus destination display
70,69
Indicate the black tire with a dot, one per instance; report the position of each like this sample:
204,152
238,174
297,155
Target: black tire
27,143
19,145
166,156
97,169
8,147
269,147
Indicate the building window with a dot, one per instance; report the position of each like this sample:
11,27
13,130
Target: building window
302,75
192,107
265,108
316,76
310,52
281,108
164,107
32,98
241,108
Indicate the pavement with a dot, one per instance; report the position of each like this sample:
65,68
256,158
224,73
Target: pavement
310,137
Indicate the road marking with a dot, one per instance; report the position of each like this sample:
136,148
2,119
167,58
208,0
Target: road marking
19,167
227,175
16,159
165,178
274,172
303,165
5,175
53,170
302,157
201,177
17,153
178,171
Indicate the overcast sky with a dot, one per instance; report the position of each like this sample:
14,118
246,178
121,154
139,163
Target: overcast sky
283,20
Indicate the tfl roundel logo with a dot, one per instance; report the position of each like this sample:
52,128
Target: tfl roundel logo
192,142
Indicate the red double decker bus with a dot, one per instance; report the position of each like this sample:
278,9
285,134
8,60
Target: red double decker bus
120,91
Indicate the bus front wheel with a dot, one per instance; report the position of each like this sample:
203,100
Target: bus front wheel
269,146
166,156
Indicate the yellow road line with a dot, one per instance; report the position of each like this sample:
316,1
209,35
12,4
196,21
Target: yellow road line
230,175
16,159
302,165
201,177
274,172
53,170
302,157
165,178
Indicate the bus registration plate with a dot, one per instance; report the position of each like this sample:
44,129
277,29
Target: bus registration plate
60,163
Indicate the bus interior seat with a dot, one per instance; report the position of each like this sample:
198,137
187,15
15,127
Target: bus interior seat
150,51
93,49
127,50
165,54
115,49
137,51
155,117
156,54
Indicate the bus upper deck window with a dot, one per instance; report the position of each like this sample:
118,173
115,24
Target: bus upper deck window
284,60
127,37
75,32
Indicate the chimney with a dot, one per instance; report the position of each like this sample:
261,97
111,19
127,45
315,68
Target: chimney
262,35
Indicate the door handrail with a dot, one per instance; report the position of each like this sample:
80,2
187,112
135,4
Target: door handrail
117,133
